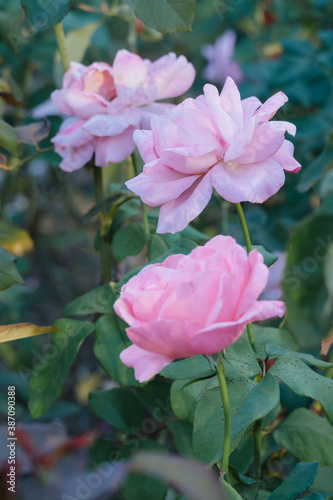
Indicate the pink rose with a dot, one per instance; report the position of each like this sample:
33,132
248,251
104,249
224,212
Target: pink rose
220,59
110,102
215,141
194,304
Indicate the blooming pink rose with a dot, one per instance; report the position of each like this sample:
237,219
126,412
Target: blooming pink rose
220,59
194,304
110,102
215,141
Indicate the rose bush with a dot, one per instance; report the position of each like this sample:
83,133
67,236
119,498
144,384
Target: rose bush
215,141
110,102
195,304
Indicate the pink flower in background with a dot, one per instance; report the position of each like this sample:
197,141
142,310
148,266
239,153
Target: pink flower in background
215,141
220,59
273,290
194,304
110,102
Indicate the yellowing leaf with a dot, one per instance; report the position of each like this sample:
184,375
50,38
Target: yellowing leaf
15,240
23,330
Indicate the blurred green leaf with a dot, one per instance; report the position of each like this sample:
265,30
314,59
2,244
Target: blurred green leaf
9,275
99,300
118,407
298,481
9,138
315,170
274,351
306,296
156,247
110,341
166,16
307,436
43,14
129,240
304,381
45,384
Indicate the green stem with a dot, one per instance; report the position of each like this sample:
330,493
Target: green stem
104,244
257,450
248,248
143,206
61,42
244,227
257,427
227,417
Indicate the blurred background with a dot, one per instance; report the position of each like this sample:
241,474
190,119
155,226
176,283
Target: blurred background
280,45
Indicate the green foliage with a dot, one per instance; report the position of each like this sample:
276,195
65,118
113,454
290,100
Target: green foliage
9,274
42,14
298,481
276,337
166,16
45,384
110,341
307,436
118,407
305,291
99,300
129,240
269,258
304,381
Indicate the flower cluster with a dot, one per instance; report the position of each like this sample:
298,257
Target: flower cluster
190,304
107,103
214,141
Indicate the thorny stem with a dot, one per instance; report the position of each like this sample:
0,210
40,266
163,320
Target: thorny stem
143,206
104,244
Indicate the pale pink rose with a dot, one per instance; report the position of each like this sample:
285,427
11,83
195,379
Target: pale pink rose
194,304
215,141
113,101
220,59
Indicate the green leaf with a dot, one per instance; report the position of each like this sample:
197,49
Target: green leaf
9,138
129,240
324,480
78,41
9,275
240,360
304,381
45,384
182,437
307,436
259,402
142,488
274,351
298,481
313,172
185,394
269,258
165,16
99,300
118,407
43,14
190,368
208,427
264,335
306,295
105,204
110,341
156,247
188,477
